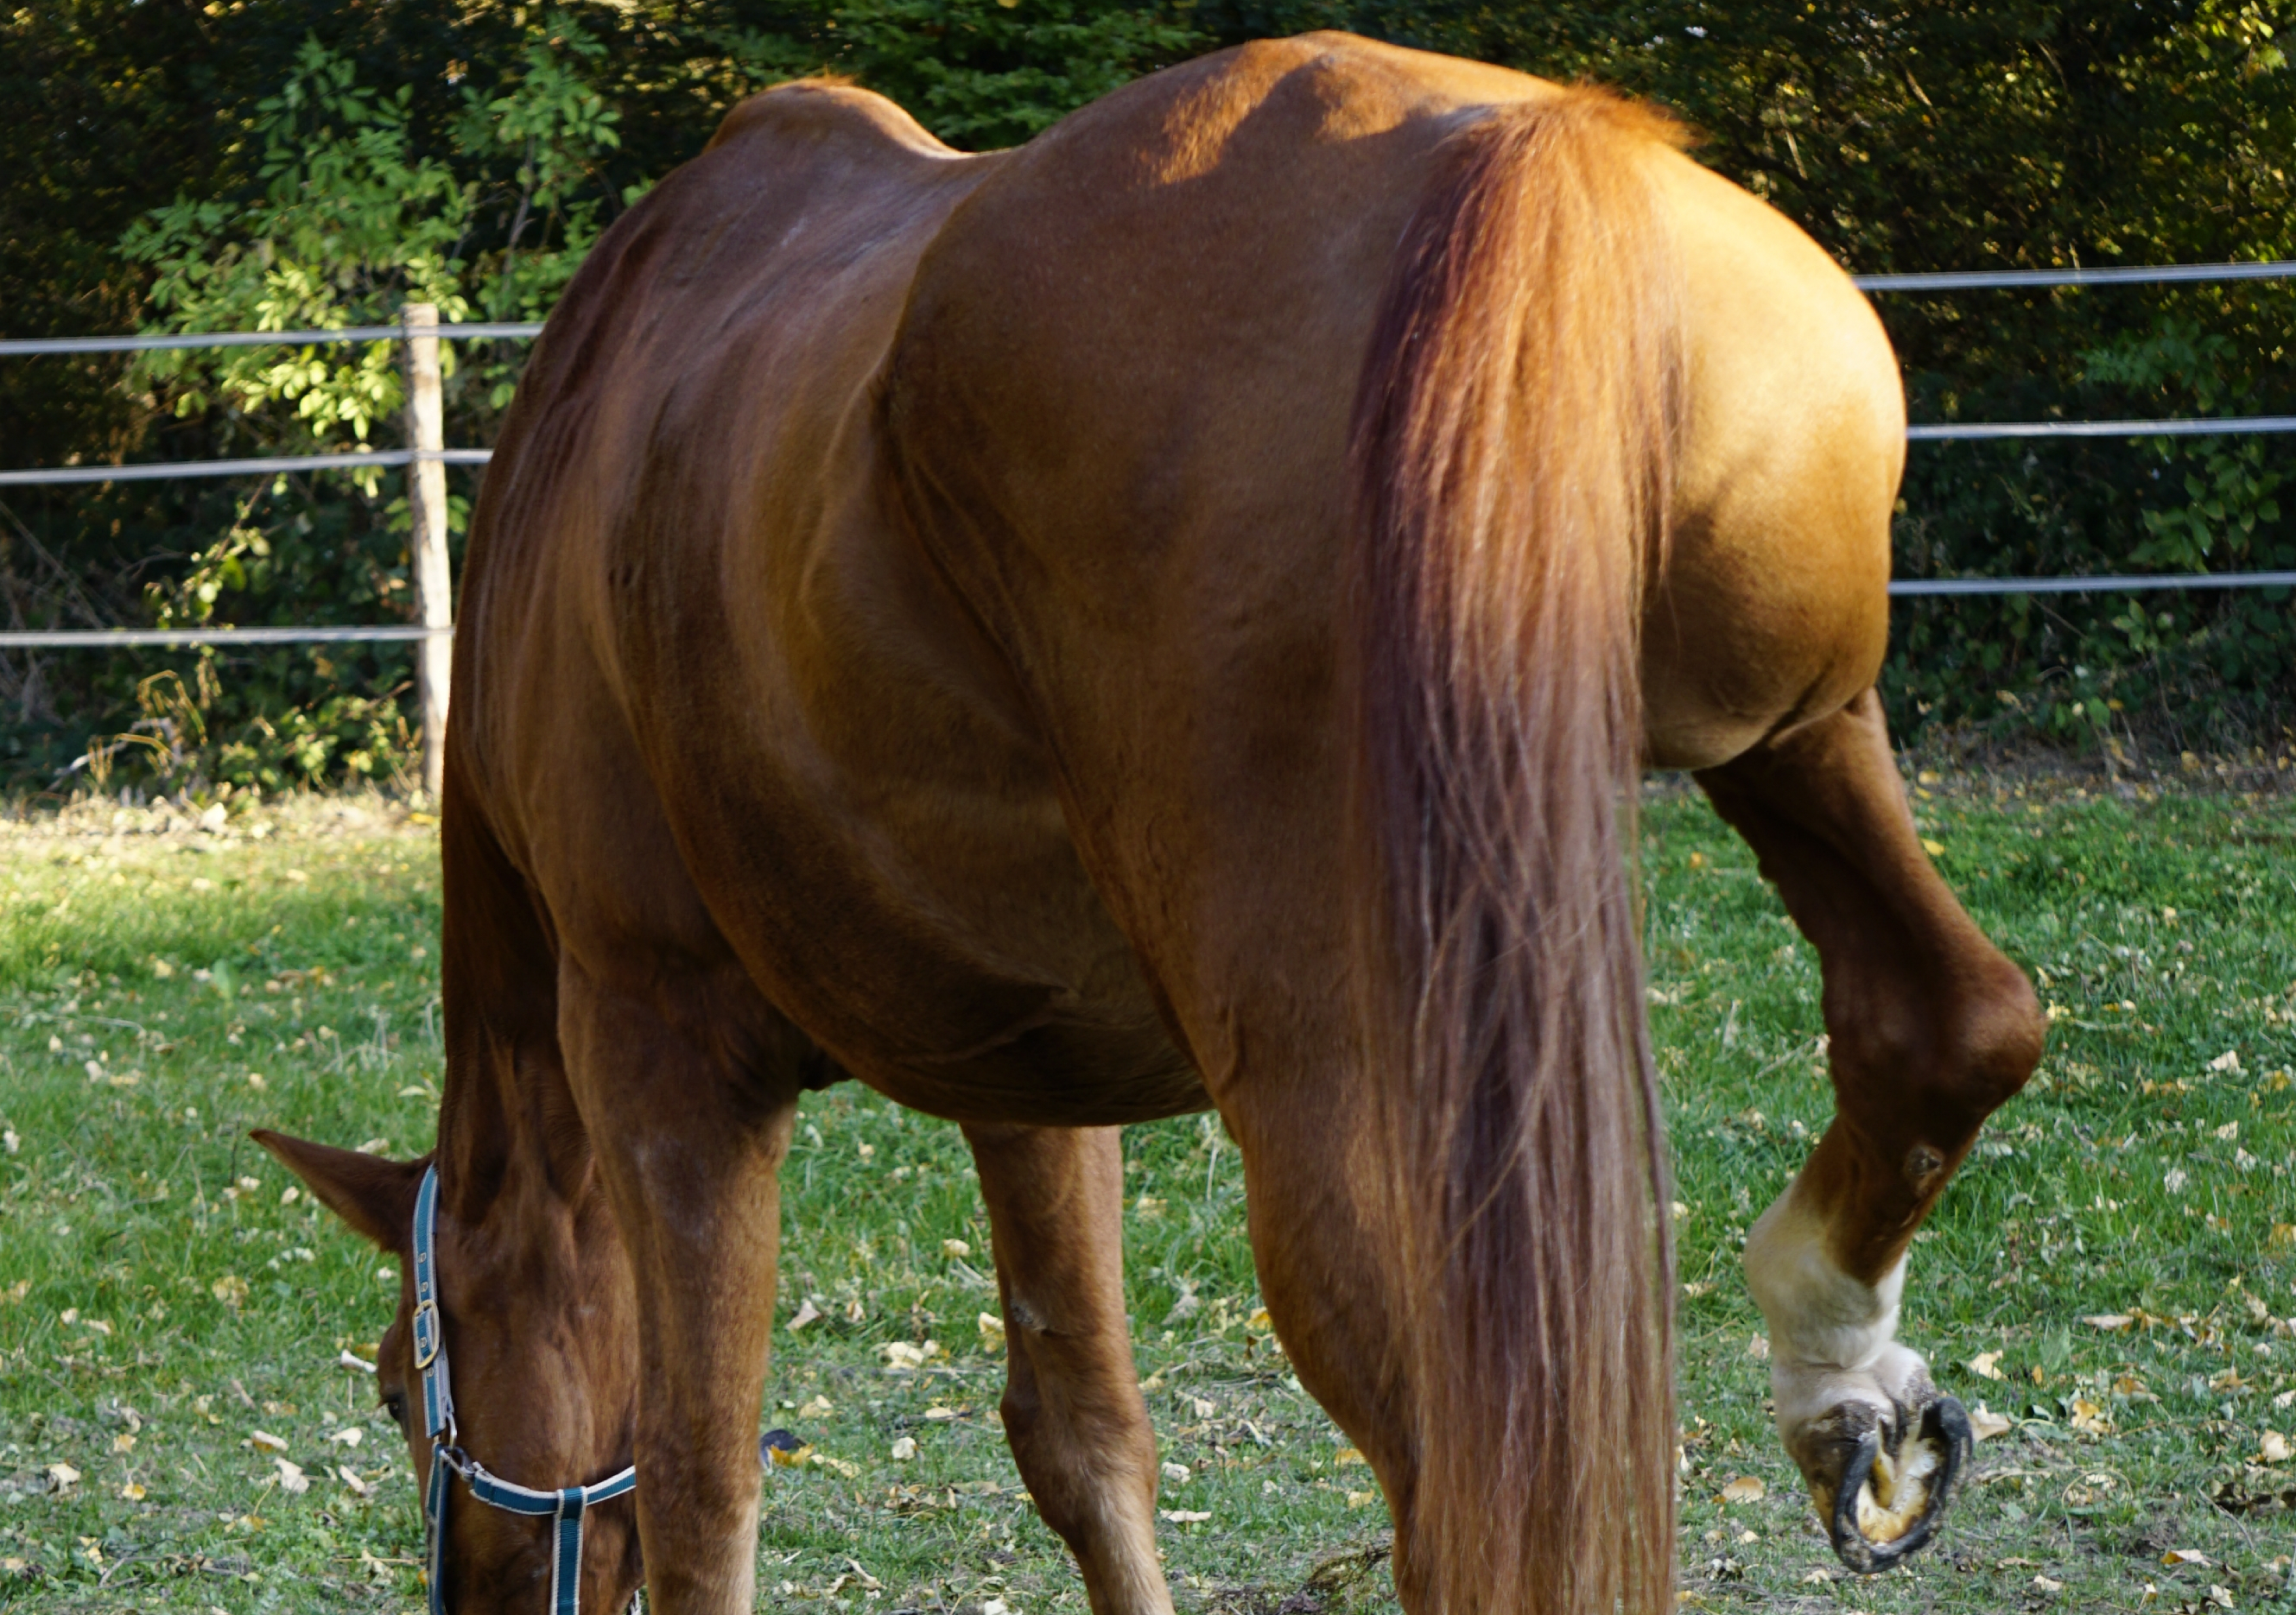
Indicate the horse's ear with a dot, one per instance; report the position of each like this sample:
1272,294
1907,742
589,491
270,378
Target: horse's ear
375,1196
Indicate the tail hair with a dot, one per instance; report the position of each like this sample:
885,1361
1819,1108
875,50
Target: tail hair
1511,454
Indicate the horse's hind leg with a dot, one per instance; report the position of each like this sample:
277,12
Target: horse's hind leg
1929,1030
1072,1406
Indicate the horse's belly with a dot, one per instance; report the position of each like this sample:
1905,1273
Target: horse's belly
953,979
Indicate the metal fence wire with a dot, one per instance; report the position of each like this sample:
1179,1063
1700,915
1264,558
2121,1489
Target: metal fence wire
425,451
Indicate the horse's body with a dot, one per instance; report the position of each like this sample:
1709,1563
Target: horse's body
1164,618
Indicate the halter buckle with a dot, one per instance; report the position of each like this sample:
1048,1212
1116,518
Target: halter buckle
427,1335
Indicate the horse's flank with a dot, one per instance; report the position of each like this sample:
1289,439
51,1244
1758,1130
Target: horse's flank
1512,451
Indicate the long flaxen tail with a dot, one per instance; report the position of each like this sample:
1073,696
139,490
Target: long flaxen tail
1511,454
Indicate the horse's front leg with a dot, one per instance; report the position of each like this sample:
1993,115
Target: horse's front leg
1930,1029
1072,1408
691,1141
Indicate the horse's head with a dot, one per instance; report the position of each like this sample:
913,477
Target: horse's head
537,1321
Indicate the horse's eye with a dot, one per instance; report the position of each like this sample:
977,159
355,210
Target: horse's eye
394,1403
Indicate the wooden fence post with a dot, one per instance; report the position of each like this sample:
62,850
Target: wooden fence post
426,500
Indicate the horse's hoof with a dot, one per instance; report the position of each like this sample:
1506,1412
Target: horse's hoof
1894,1479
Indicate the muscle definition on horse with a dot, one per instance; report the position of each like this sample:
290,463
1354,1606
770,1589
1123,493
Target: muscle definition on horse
1172,616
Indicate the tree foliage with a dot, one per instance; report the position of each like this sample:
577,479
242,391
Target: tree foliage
277,164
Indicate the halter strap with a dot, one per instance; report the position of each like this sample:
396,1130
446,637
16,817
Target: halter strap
563,1509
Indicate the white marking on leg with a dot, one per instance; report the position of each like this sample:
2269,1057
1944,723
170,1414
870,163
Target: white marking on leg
1821,1319
1833,1345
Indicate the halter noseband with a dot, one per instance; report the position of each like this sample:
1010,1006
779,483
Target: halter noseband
564,1509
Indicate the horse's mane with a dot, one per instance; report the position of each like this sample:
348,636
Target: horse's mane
1511,463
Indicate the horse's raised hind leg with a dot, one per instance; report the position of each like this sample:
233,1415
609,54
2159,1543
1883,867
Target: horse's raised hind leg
1072,1408
691,1121
1931,1029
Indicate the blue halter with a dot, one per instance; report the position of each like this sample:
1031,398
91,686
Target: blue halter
564,1509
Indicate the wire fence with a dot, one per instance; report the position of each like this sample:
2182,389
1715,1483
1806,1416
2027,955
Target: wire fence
421,454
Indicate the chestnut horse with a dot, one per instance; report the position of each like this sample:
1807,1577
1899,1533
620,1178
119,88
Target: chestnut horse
1171,616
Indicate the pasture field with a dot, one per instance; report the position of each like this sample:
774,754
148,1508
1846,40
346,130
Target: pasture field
2112,1275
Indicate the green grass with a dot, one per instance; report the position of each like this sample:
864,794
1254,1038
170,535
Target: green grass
2143,1176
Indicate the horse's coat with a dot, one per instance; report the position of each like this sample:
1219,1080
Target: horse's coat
1170,616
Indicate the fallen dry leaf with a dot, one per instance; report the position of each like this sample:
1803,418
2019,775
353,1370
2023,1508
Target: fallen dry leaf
292,1477
992,1332
954,1247
2115,1321
2274,1448
2221,1597
2089,1419
2184,1556
1193,1516
1744,1489
62,1475
1758,1349
1347,1455
1985,1425
807,1313
1362,1499
819,1407
349,1476
132,1492
905,1448
1986,1365
263,1440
